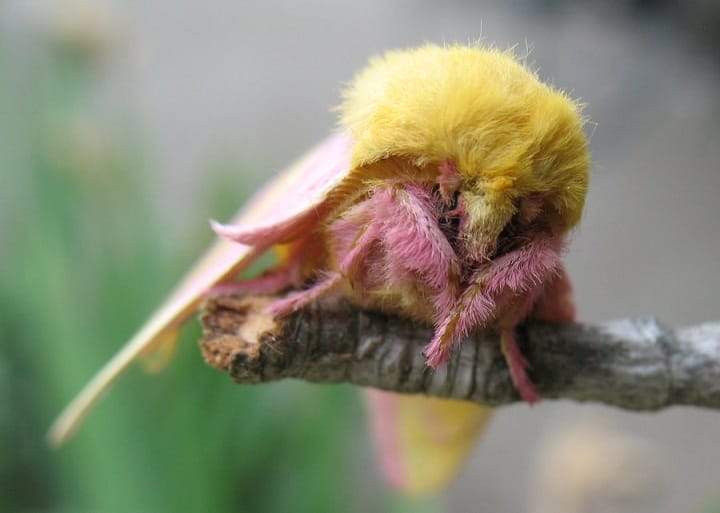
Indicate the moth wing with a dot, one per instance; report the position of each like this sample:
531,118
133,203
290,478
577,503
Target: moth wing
305,191
287,206
422,442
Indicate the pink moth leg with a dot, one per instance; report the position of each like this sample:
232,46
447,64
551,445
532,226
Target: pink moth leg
517,363
416,245
403,219
501,293
271,282
551,303
296,300
345,229
364,231
400,224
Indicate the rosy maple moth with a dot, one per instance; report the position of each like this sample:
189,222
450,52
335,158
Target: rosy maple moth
445,196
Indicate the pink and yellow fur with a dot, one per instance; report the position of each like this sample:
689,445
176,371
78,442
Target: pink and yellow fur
402,248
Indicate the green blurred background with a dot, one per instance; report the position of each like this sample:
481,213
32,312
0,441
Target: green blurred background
84,259
124,126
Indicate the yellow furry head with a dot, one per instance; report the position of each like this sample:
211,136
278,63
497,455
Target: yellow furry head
509,134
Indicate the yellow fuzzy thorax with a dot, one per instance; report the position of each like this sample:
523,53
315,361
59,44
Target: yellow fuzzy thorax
509,134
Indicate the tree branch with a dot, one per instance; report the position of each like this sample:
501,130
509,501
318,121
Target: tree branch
636,363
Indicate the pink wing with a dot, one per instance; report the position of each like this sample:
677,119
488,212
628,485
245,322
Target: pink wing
285,208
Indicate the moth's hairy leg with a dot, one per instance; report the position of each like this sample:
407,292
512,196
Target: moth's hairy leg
520,273
514,311
296,300
357,234
518,365
392,241
479,307
416,245
527,267
493,289
554,303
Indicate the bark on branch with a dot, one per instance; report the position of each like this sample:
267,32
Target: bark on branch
636,364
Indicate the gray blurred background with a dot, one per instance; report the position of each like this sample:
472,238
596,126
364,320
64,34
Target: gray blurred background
248,86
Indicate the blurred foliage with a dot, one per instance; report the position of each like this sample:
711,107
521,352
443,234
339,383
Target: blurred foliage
83,263
714,506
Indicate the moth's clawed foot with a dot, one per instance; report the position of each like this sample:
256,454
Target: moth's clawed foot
518,366
435,356
438,350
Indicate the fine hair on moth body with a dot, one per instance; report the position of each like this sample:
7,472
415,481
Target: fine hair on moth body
463,183
446,196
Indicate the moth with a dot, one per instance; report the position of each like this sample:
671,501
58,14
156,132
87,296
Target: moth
445,196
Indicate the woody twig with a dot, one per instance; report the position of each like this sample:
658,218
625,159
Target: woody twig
636,364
